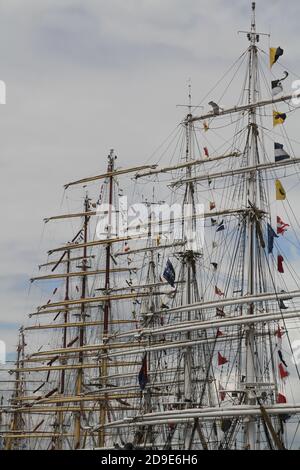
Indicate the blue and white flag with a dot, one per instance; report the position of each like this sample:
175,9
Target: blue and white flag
280,153
169,273
271,236
221,226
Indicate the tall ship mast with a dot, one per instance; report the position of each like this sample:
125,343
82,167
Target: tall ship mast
170,321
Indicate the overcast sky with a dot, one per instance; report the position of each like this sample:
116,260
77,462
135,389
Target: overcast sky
85,76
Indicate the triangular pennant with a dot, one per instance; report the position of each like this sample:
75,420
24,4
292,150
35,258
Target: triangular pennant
281,358
279,333
280,399
169,273
221,359
271,236
278,118
280,153
280,192
220,226
277,85
218,292
282,372
275,53
281,226
206,153
280,261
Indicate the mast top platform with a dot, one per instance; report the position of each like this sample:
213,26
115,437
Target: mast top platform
253,36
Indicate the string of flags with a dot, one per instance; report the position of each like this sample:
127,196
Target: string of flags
280,154
281,228
282,366
276,85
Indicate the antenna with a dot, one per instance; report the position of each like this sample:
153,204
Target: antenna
189,105
253,36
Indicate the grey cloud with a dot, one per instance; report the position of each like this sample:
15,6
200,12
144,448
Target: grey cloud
83,77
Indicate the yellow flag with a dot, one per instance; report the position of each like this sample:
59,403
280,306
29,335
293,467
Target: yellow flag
278,118
280,192
275,53
205,126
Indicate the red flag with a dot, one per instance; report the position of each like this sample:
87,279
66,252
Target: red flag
126,247
279,332
282,372
221,359
212,206
206,152
280,398
218,291
279,263
219,333
281,226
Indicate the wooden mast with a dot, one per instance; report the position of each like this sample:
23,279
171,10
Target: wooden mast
253,197
58,443
79,379
17,419
107,305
